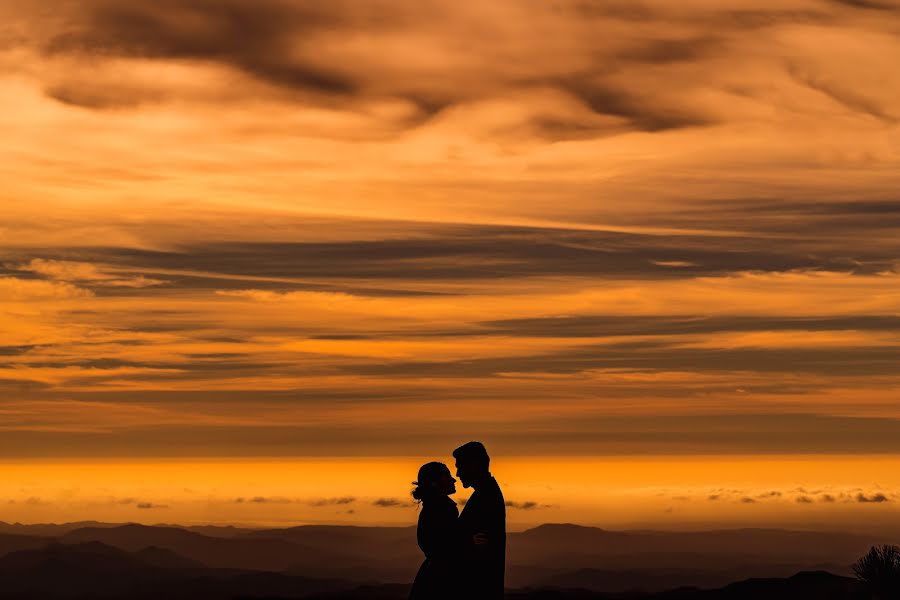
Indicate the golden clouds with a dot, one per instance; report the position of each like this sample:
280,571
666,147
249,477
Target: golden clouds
621,113
287,228
70,271
368,339
23,290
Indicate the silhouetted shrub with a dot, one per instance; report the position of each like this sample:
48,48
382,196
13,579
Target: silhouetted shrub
879,569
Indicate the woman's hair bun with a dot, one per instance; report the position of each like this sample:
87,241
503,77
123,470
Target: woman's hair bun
429,473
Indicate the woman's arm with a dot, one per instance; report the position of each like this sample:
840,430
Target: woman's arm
442,538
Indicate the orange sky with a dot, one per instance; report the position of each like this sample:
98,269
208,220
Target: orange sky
637,229
675,492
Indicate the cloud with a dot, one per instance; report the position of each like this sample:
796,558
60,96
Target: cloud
803,500
254,39
771,494
84,273
483,251
264,500
23,385
596,326
672,101
329,54
17,350
842,361
61,270
679,294
571,432
25,290
390,503
872,498
527,505
868,4
142,505
333,501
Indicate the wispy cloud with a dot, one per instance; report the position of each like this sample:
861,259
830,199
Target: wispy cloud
526,505
390,503
333,501
83,273
871,498
282,228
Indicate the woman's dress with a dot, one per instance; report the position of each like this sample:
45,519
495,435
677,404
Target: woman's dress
437,535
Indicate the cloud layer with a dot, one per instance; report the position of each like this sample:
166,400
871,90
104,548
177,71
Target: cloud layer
293,228
348,347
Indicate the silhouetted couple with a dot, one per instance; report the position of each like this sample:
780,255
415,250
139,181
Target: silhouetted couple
465,554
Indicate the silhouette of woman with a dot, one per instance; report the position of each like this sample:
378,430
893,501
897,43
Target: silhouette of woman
437,533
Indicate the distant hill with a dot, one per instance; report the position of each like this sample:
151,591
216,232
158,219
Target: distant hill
259,553
11,542
97,570
60,570
90,556
364,541
49,529
225,531
564,540
58,529
549,556
572,555
568,554
802,586
817,585
165,559
218,530
372,554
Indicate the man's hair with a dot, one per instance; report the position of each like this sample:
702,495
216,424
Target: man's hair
473,453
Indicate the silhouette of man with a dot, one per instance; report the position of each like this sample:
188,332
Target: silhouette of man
482,525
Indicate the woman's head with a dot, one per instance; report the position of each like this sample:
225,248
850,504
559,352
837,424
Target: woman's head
434,480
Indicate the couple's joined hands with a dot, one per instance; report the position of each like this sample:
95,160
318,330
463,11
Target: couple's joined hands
480,539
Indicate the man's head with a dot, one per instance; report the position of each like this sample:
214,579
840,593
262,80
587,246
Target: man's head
472,463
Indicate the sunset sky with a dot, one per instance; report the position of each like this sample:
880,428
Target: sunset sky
260,259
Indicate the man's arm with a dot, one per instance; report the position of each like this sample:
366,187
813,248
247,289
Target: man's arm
492,525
